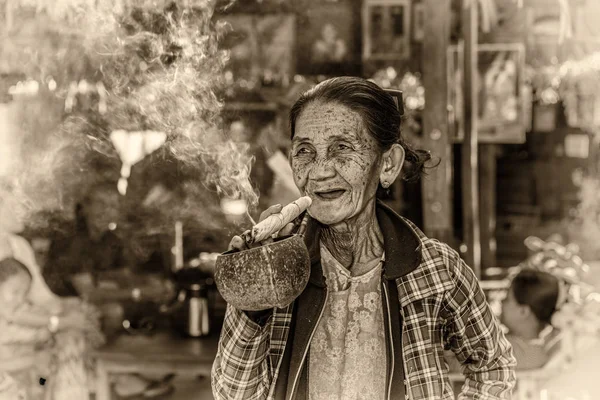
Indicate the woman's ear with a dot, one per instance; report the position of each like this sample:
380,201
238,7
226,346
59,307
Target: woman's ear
392,162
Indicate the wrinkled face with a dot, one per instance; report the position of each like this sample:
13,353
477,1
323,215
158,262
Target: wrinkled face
14,290
512,315
335,161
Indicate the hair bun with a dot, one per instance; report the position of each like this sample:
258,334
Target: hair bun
416,161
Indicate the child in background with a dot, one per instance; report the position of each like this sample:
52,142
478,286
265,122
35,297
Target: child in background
526,313
31,353
16,342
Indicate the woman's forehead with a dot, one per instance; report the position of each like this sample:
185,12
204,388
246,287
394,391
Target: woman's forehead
322,120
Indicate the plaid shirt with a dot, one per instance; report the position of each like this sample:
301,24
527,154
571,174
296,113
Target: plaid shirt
442,307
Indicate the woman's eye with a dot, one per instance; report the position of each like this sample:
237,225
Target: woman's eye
302,151
343,146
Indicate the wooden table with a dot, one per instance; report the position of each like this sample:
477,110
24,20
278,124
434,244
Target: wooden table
161,353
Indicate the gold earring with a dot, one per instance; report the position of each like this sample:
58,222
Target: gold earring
385,184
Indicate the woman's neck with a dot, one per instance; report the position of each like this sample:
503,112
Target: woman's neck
357,241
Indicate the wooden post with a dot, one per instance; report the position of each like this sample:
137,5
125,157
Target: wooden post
437,204
487,201
8,16
470,206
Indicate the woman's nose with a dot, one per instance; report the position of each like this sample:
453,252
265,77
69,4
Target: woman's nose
322,169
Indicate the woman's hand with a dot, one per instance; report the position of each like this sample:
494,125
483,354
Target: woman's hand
238,243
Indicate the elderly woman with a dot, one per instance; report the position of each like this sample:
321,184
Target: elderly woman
383,300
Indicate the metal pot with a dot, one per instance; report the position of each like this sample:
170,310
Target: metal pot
264,277
190,311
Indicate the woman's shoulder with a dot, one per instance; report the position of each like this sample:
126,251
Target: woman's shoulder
443,264
441,256
431,248
441,267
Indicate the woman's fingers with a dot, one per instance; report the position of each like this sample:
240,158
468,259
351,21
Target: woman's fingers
287,230
237,243
270,211
266,241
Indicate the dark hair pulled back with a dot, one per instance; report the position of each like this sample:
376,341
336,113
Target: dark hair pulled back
378,110
538,290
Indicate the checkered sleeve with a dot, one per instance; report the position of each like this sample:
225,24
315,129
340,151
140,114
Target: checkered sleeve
240,370
473,333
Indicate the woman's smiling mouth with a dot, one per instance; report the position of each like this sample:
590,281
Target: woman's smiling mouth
329,194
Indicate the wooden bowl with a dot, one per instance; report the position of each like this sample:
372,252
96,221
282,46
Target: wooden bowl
264,277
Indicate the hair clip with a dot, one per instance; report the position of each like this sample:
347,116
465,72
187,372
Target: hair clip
397,96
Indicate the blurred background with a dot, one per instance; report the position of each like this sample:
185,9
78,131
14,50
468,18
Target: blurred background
136,137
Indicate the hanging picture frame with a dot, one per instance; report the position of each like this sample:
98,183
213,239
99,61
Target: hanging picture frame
501,99
261,48
328,39
386,29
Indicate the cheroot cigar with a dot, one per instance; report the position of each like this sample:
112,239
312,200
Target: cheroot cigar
274,223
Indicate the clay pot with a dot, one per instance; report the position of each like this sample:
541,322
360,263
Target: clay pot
264,277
